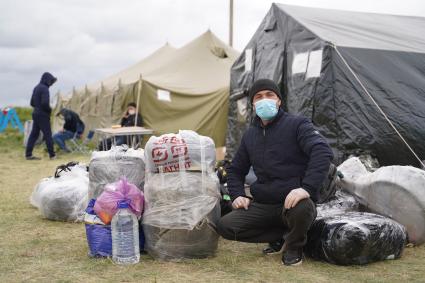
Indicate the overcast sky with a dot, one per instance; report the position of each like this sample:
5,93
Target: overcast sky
82,41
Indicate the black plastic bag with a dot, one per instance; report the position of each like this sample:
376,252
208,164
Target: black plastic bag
355,238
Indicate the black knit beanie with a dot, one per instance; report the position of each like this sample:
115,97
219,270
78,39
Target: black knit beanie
263,84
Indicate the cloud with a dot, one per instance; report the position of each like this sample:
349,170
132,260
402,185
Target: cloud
83,41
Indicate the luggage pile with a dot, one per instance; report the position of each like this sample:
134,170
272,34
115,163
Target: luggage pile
182,197
116,178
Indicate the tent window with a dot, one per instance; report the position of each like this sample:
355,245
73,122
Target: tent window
242,109
308,63
219,52
314,64
299,64
163,95
248,60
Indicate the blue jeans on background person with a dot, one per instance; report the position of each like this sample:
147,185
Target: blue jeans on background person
60,138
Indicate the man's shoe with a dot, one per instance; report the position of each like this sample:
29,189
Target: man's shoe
292,257
274,248
53,157
32,158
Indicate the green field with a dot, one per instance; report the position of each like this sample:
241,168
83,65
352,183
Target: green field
33,249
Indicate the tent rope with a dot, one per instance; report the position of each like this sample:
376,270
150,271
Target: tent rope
376,104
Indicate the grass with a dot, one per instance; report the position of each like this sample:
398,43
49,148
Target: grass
33,249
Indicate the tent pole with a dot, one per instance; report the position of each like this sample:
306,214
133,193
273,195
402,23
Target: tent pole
231,23
139,90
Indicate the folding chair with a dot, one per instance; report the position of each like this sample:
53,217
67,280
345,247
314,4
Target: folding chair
78,146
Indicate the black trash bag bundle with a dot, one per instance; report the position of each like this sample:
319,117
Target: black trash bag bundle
64,196
108,166
355,238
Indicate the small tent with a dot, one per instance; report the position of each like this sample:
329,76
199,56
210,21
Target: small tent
186,88
360,77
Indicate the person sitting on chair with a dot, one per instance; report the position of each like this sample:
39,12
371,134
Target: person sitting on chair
73,127
128,120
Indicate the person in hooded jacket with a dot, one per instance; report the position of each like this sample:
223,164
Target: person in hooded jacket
40,101
291,160
72,126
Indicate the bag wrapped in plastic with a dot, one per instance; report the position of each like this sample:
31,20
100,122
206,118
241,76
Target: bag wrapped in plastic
355,238
107,203
63,197
182,151
180,201
177,244
182,207
393,191
99,237
108,166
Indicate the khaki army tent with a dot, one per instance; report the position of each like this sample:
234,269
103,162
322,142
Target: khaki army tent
95,102
185,88
190,91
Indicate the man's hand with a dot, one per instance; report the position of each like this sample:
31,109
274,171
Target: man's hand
295,196
241,202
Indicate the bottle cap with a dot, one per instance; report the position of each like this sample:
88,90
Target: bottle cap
123,204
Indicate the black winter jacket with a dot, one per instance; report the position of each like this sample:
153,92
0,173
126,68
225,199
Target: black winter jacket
286,154
129,121
73,122
40,99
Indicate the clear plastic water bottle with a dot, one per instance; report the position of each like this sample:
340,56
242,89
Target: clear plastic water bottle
125,236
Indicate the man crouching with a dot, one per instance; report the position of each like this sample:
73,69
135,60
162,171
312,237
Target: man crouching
291,160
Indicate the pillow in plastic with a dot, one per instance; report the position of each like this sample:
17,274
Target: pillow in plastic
108,166
63,198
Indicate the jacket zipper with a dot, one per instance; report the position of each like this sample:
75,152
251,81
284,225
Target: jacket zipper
264,152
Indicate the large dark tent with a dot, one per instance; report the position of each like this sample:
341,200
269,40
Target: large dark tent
347,71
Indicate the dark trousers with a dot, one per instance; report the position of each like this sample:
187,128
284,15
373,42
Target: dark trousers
41,122
266,223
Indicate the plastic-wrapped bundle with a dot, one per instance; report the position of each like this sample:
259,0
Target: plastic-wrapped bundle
108,166
342,202
63,197
355,238
180,200
175,244
182,197
174,152
393,191
182,210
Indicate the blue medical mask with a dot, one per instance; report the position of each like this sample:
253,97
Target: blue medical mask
266,108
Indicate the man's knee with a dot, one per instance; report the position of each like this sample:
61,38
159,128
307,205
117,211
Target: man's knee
225,229
305,209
